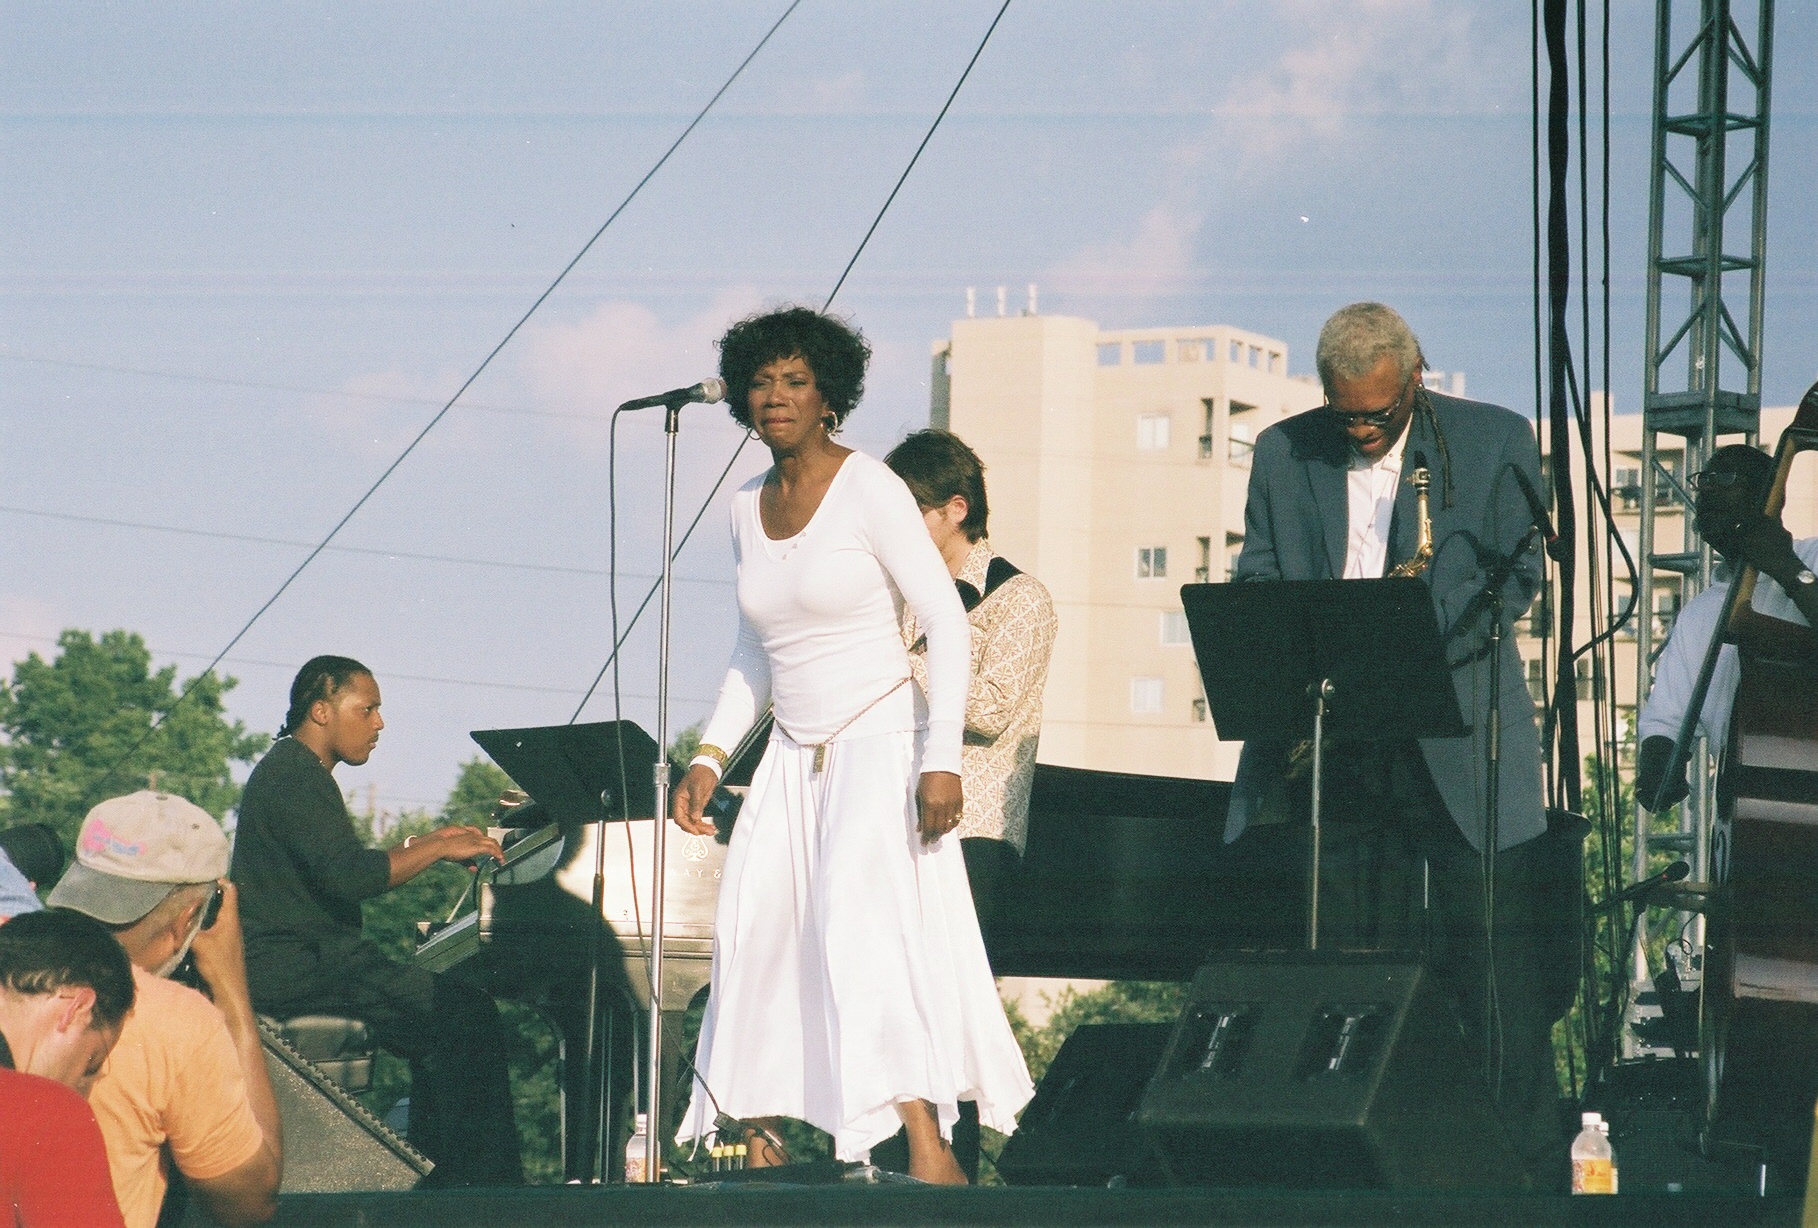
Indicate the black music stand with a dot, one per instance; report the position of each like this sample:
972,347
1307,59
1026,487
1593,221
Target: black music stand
603,770
581,773
1294,659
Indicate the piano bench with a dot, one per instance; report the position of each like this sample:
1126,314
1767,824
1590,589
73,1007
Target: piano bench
341,1048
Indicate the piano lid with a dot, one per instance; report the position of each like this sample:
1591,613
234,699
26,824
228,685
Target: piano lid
567,768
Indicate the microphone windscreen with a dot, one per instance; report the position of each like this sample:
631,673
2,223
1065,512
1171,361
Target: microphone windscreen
713,391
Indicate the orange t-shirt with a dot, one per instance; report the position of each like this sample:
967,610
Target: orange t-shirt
174,1077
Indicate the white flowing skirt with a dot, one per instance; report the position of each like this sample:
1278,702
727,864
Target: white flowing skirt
848,971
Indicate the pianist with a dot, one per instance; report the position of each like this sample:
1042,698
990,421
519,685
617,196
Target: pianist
302,872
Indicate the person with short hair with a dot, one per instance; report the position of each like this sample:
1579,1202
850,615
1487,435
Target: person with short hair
65,990
850,985
1330,498
1013,628
30,853
187,1085
302,872
1729,494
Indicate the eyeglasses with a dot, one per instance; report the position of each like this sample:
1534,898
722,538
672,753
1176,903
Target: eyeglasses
1372,417
1715,479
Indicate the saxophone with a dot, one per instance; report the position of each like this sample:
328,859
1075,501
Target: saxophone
1416,565
1300,755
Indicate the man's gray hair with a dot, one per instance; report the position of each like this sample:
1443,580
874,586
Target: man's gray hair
1357,337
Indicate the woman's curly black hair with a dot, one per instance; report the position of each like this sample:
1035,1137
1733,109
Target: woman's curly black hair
835,351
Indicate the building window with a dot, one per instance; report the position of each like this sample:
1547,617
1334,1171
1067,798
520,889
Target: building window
1148,353
1174,628
1237,351
1627,487
1145,695
1110,353
1203,572
1199,709
1241,444
1152,432
1152,563
1276,365
1191,351
1537,682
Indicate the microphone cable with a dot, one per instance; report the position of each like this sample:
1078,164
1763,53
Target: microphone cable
612,661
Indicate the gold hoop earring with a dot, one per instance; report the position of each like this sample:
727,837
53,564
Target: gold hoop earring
832,422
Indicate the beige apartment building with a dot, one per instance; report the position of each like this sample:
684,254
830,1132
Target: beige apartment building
1118,462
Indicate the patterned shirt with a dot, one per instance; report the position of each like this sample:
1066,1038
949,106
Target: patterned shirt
1012,639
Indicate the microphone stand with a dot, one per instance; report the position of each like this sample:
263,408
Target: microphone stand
1498,571
653,1076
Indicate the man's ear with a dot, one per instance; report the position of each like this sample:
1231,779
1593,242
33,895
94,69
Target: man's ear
75,1008
179,927
956,510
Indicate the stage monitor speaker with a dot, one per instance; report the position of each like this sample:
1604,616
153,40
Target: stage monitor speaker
331,1143
1308,1070
1079,1129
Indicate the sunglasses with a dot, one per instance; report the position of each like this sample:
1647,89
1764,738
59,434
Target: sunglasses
1372,417
1715,479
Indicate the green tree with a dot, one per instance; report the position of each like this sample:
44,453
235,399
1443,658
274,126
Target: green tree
476,792
97,722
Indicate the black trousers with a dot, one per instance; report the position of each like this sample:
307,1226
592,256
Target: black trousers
991,866
461,1110
1397,875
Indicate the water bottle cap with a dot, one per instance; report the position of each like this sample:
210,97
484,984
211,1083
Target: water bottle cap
1590,1119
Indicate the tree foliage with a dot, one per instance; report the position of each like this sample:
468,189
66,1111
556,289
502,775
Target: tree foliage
80,729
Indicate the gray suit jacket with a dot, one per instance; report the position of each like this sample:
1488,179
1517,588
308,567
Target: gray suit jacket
1295,527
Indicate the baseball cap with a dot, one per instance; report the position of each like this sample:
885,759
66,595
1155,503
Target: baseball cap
133,850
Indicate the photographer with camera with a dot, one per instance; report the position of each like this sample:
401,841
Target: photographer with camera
188,1071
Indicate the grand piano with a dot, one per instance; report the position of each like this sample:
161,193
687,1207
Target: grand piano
1120,881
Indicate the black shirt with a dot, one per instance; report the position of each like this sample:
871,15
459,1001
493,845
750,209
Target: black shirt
300,867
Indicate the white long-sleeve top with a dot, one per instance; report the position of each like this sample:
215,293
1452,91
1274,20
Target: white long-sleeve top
818,619
1676,672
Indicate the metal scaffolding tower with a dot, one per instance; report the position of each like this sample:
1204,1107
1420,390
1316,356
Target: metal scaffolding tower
1710,114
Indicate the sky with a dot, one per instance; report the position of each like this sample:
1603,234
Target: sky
247,252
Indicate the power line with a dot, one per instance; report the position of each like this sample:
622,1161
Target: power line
223,381
917,155
477,372
252,539
740,450
293,666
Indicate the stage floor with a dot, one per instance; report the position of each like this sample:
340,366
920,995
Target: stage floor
858,1204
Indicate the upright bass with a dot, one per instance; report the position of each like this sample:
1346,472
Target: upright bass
1760,1009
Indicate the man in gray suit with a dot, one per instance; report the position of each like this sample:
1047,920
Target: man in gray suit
1329,499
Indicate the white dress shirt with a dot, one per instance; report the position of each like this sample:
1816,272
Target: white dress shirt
1370,506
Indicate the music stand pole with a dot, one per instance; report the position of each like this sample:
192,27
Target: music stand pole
653,1076
1321,692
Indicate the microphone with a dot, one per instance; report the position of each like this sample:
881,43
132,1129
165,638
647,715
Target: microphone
707,392
1538,510
1637,891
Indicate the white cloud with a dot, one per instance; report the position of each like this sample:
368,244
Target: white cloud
621,349
1151,263
1334,64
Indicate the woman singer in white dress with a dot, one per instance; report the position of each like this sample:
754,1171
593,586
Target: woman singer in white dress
850,986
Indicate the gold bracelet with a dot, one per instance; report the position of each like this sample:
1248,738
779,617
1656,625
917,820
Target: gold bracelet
710,751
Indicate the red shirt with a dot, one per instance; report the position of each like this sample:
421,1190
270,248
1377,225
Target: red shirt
53,1166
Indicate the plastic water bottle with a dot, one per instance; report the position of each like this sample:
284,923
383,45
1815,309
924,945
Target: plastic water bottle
637,1152
1593,1163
